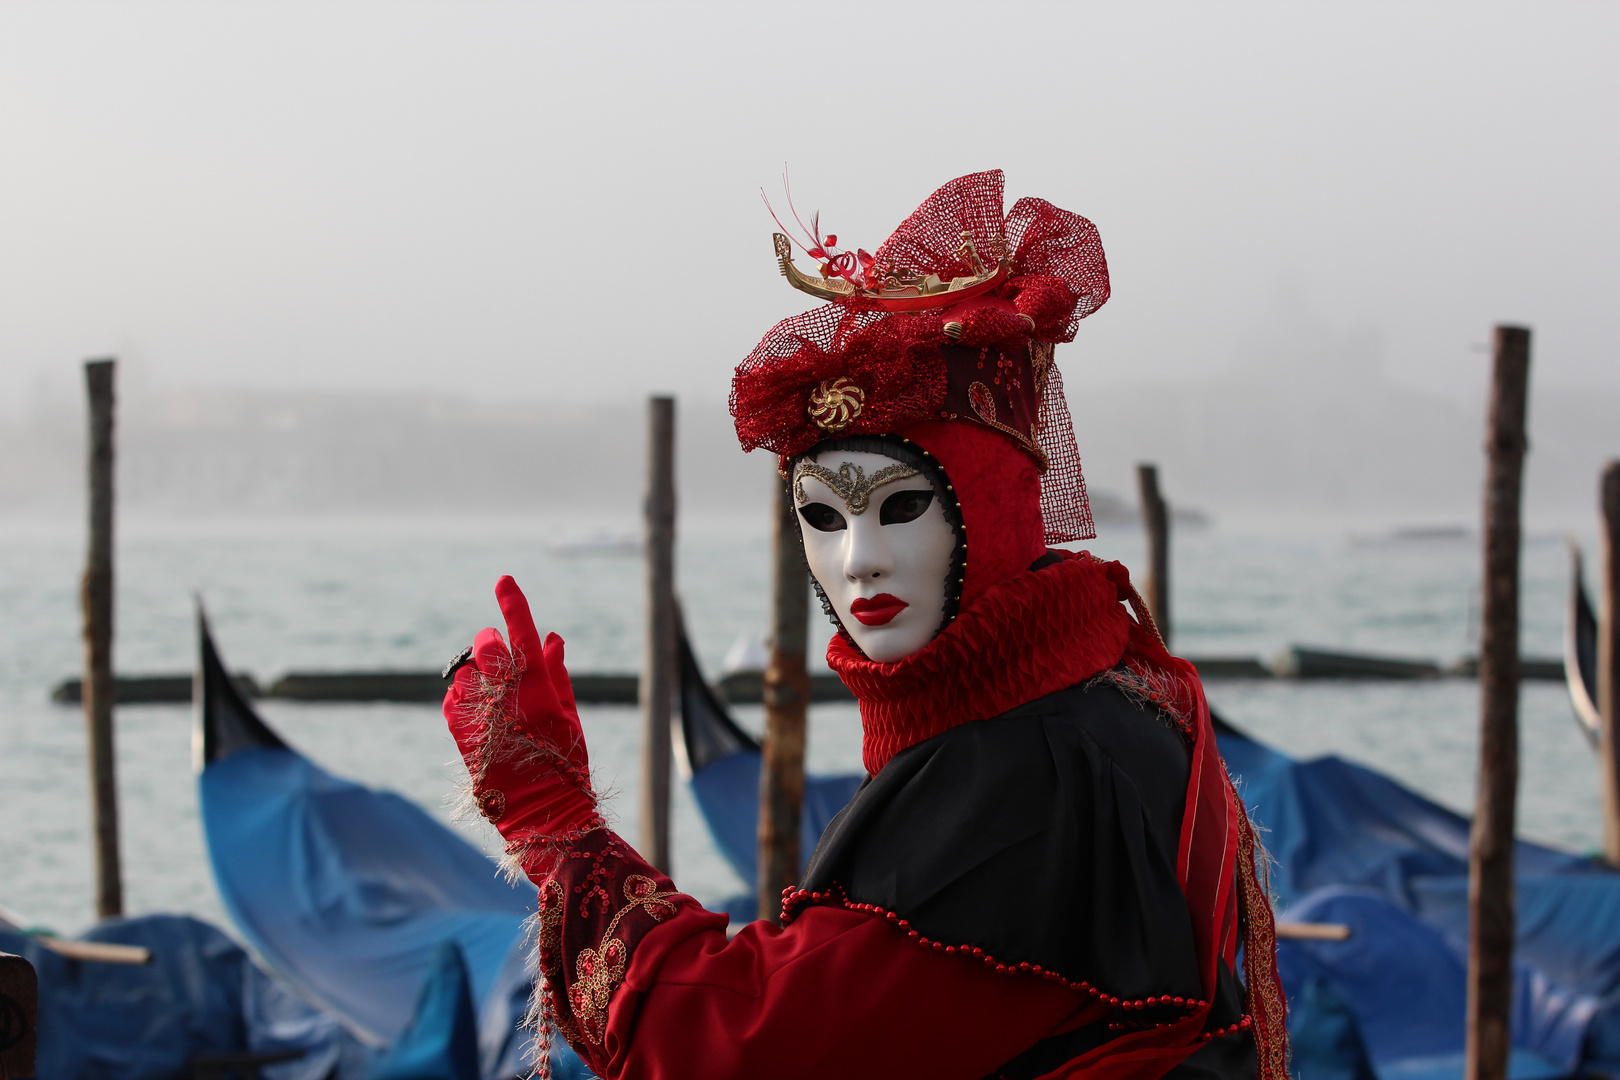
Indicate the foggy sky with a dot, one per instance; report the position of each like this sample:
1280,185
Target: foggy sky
538,201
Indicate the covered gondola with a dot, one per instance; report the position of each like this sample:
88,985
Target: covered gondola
352,894
1580,652
1352,846
722,763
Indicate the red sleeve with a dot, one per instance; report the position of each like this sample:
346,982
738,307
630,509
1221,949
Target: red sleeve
837,993
660,994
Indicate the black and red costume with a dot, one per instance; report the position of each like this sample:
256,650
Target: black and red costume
1047,872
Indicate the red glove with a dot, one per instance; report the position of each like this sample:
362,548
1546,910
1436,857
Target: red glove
512,713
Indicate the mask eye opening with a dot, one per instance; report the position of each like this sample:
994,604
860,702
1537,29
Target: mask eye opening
822,518
904,506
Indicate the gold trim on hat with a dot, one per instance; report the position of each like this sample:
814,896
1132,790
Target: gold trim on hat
900,289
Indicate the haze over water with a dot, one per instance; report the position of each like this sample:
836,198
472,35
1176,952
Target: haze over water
407,594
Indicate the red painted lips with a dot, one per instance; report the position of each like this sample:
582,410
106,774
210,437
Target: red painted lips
877,611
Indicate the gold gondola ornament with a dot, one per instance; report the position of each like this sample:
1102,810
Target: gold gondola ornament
846,275
897,290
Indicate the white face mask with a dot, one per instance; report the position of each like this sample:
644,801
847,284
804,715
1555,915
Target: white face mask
877,541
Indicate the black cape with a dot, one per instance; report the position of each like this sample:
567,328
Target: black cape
1045,835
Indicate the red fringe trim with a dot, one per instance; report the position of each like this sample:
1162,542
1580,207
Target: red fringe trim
1264,998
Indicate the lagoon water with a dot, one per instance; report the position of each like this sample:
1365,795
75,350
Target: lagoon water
313,595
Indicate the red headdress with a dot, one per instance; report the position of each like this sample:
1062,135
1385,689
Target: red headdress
928,330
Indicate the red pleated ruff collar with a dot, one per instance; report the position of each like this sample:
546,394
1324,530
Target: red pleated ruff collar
1038,632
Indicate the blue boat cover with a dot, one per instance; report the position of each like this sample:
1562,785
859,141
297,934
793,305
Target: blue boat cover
350,893
723,762
442,1041
347,892
201,994
1353,846
727,792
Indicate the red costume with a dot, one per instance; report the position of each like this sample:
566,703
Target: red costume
1047,872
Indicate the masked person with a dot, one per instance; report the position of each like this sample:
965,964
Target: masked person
1047,872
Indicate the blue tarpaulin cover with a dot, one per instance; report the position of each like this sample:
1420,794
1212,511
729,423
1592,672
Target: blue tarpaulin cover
1353,846
350,893
442,1041
346,892
201,994
727,792
722,762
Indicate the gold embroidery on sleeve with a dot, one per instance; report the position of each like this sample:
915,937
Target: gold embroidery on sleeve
599,972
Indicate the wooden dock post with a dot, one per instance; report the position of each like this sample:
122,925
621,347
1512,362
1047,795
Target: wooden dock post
787,695
657,687
1156,531
97,597
1490,861
1608,665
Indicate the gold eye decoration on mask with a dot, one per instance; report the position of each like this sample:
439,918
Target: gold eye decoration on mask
850,482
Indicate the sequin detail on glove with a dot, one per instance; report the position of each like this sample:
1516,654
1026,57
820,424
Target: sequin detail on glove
601,901
513,716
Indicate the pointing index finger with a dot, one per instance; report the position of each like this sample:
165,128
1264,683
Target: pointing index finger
520,631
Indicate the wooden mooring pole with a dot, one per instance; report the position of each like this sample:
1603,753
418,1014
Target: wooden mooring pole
1490,861
1608,666
97,596
787,695
1156,531
658,660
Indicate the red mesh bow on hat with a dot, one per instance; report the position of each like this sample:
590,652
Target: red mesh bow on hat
851,367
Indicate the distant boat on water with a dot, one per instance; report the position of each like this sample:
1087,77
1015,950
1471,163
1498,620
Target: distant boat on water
601,544
1438,535
1115,511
